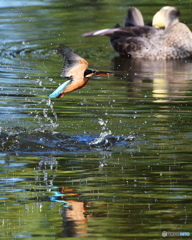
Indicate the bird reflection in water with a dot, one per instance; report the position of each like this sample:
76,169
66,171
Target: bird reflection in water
73,214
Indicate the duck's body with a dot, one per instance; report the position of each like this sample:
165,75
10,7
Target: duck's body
174,40
74,69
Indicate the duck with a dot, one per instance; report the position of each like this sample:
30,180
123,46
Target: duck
167,38
76,70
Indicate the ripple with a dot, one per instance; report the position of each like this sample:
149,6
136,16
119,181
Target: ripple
38,142
21,50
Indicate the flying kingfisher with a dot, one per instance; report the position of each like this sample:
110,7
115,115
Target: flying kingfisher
75,69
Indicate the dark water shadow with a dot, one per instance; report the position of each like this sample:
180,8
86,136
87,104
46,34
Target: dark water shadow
45,143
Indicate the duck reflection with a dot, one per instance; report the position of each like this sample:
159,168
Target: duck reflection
169,79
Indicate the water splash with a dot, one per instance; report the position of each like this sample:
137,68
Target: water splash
102,123
47,119
102,139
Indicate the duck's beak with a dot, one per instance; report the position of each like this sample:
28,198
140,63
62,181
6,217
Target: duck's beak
159,20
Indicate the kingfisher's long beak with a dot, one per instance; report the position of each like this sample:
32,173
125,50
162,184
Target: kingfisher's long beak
103,73
89,73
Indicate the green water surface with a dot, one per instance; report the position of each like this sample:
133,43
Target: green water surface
109,161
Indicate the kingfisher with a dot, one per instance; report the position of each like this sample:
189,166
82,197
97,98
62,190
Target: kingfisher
75,69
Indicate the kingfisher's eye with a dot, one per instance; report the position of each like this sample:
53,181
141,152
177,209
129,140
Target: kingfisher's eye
88,72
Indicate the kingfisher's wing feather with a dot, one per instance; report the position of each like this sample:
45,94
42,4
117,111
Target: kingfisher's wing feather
72,63
60,89
74,68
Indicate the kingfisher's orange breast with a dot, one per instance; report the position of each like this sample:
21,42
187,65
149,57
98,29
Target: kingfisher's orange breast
75,85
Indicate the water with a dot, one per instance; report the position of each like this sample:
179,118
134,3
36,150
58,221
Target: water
110,161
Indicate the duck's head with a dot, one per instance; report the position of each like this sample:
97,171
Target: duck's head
166,17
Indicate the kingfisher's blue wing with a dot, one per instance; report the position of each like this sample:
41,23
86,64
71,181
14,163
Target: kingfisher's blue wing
60,89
